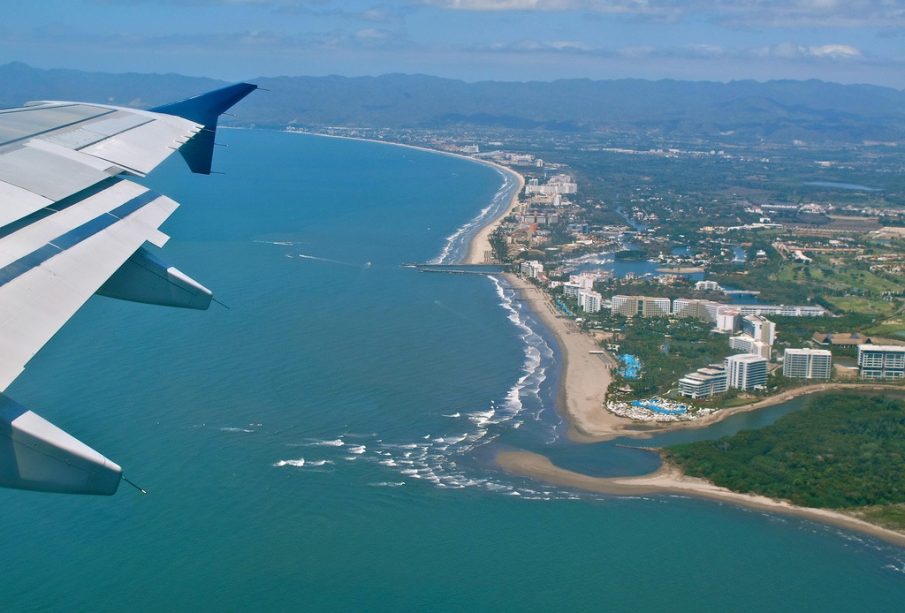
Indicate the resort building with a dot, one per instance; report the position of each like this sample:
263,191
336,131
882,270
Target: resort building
881,361
532,269
645,306
571,289
707,286
807,363
727,319
745,343
704,382
746,371
589,301
557,184
704,310
782,310
759,328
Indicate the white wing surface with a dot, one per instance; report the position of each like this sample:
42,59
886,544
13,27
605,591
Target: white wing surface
72,224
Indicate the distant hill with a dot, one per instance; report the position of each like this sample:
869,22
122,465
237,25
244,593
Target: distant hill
774,111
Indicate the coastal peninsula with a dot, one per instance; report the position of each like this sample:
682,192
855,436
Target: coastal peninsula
587,375
671,480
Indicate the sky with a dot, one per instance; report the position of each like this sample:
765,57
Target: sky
847,41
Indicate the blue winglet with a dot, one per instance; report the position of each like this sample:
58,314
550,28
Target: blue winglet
205,109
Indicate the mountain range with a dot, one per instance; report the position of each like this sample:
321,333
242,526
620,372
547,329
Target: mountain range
772,111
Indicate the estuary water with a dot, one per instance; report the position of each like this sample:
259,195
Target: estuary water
326,443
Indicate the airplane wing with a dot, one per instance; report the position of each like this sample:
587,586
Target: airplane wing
72,224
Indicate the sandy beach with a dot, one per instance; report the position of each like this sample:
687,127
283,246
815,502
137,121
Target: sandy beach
480,244
670,480
586,376
583,388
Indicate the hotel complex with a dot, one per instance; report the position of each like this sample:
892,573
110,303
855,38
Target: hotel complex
644,306
881,361
746,371
807,364
704,382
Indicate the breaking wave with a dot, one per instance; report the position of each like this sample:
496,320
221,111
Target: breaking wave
456,244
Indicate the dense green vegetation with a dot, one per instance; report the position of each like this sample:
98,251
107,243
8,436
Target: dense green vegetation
841,451
669,349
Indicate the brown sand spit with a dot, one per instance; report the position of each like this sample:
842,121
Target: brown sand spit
670,480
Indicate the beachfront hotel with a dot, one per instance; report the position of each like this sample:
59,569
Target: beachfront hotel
532,269
807,363
645,306
590,301
746,371
881,361
704,382
704,310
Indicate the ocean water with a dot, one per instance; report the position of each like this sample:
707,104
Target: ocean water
326,443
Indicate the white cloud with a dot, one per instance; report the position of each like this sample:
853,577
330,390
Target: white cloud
775,13
792,51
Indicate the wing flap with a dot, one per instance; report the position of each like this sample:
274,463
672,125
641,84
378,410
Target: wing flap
40,293
16,203
96,131
142,148
47,174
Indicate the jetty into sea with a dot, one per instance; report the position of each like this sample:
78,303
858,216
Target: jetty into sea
461,269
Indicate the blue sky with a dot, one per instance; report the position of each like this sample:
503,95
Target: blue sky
846,41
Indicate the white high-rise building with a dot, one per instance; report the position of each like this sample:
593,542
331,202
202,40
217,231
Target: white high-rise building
881,361
692,307
745,343
571,289
727,319
746,371
704,382
589,301
532,269
807,363
707,286
645,306
761,328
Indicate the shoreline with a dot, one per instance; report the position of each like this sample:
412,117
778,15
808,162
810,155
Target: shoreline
585,377
583,386
670,480
480,242
721,414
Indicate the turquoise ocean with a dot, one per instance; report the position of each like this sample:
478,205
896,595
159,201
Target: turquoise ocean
326,443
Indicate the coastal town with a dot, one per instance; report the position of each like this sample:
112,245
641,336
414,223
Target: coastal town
677,340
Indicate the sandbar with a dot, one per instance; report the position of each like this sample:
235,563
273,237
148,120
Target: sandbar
669,479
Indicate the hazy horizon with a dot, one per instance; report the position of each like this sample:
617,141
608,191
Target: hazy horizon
472,40
437,76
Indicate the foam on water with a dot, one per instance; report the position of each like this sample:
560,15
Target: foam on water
297,463
445,459
327,443
456,243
